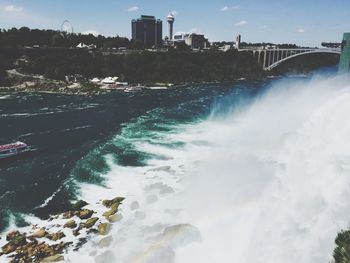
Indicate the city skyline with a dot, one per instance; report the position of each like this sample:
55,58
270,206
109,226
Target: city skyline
303,23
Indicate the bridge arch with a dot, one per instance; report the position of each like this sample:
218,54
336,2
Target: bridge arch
314,51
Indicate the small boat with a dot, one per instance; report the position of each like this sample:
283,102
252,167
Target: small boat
13,149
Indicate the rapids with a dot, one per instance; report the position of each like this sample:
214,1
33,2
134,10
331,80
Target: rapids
263,179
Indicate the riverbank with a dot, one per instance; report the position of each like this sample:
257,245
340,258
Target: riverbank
25,82
146,68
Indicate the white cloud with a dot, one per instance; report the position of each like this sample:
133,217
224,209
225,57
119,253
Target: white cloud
227,8
301,30
132,9
12,8
173,13
241,23
90,31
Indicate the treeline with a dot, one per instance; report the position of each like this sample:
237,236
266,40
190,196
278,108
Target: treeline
144,67
25,37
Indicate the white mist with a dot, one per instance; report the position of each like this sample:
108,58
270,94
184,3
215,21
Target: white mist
267,183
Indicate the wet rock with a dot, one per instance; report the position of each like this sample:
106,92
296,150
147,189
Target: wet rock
105,242
154,254
140,215
36,252
15,239
70,224
161,187
39,233
173,212
106,257
104,228
109,203
90,222
56,236
7,249
80,243
69,214
85,213
134,205
55,258
78,205
112,211
115,218
179,235
166,190
76,232
12,235
166,168
92,231
151,199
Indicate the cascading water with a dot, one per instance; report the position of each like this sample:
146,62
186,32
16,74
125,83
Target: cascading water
263,178
267,181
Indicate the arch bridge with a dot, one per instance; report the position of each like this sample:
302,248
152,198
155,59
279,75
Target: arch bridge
271,58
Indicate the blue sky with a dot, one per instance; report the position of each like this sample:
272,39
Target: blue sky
304,22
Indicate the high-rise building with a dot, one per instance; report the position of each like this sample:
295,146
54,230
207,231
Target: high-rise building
171,20
238,41
194,41
148,30
344,65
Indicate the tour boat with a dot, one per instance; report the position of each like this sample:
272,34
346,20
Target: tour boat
13,149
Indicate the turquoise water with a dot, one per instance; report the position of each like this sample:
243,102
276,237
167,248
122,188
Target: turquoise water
74,133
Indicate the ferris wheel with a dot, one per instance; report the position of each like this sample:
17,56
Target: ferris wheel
67,27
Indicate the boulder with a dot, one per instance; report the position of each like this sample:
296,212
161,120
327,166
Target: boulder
109,203
105,257
112,211
76,232
56,236
78,205
134,205
16,239
180,235
153,254
85,213
39,233
90,222
115,218
105,242
151,199
12,234
69,214
80,243
140,215
7,249
104,228
55,258
70,224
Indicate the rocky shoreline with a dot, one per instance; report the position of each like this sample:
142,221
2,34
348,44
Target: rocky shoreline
21,82
62,233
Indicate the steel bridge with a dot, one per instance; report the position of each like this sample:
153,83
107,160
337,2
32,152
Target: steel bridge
271,58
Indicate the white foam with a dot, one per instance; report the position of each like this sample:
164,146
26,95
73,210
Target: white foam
267,184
